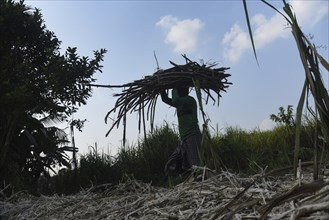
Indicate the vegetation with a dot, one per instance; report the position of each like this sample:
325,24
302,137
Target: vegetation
241,151
313,63
39,86
284,118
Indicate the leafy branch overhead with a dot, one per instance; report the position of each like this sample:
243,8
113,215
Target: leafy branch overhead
141,95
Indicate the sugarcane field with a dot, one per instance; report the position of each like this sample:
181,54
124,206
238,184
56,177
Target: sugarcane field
189,110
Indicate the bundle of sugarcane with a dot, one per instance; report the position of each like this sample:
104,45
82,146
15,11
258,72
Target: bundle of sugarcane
142,94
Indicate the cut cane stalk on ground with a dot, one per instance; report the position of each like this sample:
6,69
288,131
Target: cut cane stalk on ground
222,196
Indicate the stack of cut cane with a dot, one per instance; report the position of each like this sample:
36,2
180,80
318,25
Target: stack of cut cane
141,95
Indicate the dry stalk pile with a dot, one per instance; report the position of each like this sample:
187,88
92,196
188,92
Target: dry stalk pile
222,196
141,95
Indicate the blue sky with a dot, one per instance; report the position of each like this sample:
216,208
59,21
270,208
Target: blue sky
214,31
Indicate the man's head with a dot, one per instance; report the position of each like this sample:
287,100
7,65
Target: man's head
182,91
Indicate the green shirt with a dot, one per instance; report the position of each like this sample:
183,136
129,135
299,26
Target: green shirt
187,114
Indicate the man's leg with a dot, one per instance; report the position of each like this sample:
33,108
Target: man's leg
175,161
192,145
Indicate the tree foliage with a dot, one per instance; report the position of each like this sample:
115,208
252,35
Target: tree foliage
283,117
38,86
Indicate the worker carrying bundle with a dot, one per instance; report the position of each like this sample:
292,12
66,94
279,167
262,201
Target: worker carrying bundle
141,96
186,154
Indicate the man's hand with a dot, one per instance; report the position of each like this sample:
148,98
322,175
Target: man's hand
165,98
163,93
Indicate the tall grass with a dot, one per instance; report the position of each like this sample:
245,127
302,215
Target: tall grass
234,149
247,151
146,161
94,168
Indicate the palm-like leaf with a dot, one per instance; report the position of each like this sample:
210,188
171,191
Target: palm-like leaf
44,147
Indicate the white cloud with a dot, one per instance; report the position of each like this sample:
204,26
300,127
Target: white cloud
265,31
237,41
309,13
269,30
266,124
182,34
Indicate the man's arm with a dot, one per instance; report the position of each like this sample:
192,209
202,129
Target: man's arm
175,96
165,98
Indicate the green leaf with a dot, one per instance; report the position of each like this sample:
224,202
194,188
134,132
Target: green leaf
249,29
274,8
299,113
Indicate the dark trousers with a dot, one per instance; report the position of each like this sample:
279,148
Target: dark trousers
185,155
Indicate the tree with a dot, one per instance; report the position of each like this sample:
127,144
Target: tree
38,85
285,118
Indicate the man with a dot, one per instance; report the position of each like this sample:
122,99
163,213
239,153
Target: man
185,155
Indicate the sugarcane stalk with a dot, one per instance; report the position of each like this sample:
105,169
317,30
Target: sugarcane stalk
143,93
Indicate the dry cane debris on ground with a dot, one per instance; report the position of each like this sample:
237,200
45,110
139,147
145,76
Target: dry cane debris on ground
202,195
